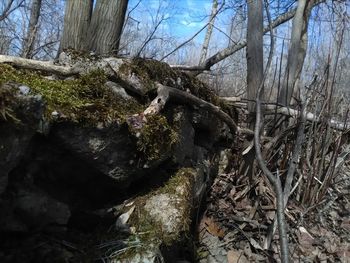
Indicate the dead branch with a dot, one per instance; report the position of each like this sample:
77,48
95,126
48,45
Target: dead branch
39,65
166,93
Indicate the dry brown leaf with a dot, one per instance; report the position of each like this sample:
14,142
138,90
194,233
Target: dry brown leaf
261,189
305,240
235,256
242,193
244,204
212,227
232,193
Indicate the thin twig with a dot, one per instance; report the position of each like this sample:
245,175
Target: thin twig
275,181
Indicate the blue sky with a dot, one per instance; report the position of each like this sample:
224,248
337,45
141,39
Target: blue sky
186,17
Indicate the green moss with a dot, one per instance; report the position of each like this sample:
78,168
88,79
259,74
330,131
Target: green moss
129,68
84,99
147,228
150,71
156,137
181,184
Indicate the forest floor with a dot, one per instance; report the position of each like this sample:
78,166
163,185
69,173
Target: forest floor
237,222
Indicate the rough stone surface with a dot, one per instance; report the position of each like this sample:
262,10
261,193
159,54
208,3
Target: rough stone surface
14,138
109,150
118,90
62,180
183,151
170,211
38,210
166,209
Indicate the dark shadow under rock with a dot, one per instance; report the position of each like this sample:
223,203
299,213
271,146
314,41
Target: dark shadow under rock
111,150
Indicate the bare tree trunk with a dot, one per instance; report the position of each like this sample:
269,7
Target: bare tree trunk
28,43
76,23
255,66
209,32
106,26
255,70
297,51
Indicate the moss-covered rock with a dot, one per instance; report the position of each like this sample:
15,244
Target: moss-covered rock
156,138
163,217
85,99
93,154
145,73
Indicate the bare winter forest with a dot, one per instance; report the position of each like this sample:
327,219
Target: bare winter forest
236,109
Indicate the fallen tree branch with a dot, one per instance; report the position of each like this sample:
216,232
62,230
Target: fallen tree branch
166,93
39,65
222,54
273,108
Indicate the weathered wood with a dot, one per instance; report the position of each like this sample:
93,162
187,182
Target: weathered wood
45,66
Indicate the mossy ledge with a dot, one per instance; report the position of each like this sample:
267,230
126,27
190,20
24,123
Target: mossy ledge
84,99
87,101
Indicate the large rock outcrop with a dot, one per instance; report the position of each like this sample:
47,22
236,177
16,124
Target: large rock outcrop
74,151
